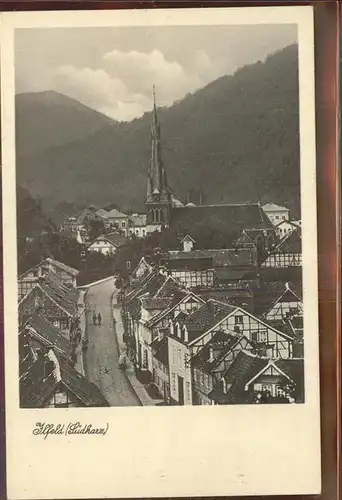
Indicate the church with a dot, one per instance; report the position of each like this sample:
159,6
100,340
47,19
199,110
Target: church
164,210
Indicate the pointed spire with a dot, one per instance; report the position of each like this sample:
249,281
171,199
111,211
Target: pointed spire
157,186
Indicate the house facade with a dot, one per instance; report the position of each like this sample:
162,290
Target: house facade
28,280
285,227
276,213
288,253
107,244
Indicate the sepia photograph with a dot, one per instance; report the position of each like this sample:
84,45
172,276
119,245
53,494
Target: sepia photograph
160,239
159,217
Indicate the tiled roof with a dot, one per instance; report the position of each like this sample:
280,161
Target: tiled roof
292,243
169,288
26,355
244,368
113,214
282,275
116,239
177,297
222,343
155,303
63,267
61,296
220,257
51,335
86,391
66,298
35,390
230,219
265,294
282,325
205,317
293,368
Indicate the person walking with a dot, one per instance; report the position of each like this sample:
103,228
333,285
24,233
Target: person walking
99,319
94,318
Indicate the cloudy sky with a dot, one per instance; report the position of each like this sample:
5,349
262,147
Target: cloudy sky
112,70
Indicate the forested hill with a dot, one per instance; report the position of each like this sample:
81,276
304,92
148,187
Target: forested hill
237,139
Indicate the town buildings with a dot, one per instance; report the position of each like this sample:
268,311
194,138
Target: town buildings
28,280
50,338
217,325
107,244
276,213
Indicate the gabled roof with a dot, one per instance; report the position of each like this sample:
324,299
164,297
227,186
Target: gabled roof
63,297
113,214
177,299
187,237
221,342
114,239
40,328
289,293
293,368
273,207
295,226
60,265
267,293
292,243
152,303
169,287
222,315
35,390
222,257
230,219
206,317
244,367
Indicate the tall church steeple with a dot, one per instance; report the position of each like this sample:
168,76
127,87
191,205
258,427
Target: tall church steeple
158,196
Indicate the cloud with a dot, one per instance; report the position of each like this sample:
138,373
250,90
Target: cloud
122,87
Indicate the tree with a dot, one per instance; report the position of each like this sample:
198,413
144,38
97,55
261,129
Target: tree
95,228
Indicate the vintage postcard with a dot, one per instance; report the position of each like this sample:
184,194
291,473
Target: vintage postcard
161,305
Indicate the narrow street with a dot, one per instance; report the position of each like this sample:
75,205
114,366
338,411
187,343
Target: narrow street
101,361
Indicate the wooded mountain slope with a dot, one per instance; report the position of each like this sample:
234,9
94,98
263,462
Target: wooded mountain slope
237,139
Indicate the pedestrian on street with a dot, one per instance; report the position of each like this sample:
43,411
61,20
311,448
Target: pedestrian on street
94,318
99,319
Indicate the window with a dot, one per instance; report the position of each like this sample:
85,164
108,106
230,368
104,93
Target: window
254,336
123,224
279,391
238,320
128,265
283,217
173,379
263,336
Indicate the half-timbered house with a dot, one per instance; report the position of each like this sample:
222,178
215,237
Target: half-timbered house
51,382
54,301
28,280
252,379
288,253
190,334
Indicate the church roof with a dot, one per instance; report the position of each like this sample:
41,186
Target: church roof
229,219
